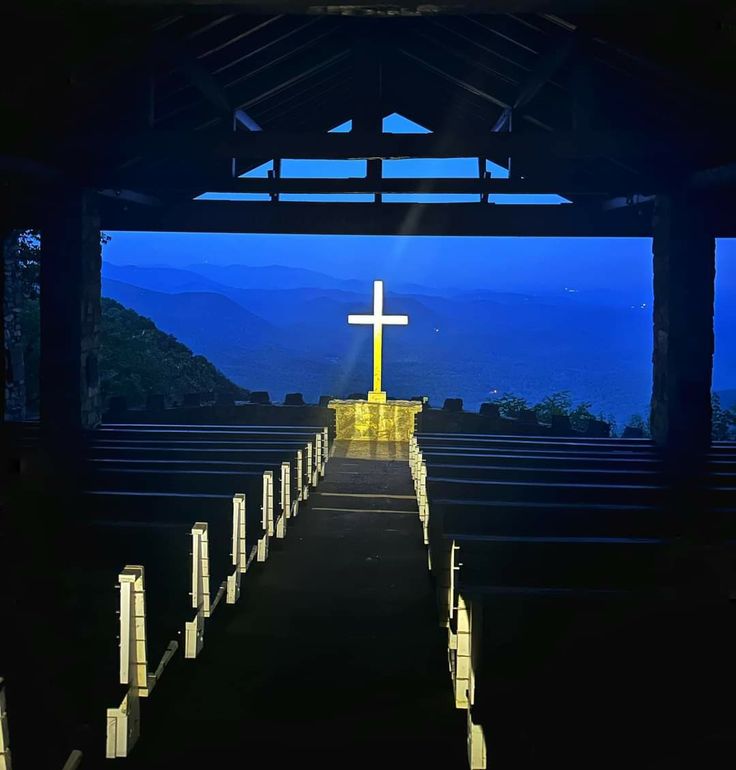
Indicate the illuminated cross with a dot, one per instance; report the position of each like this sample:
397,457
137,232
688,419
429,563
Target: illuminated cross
378,320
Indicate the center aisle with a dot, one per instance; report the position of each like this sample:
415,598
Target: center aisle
333,655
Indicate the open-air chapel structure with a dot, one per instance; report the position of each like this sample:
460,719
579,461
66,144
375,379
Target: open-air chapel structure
584,585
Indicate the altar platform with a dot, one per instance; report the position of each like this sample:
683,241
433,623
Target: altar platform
359,420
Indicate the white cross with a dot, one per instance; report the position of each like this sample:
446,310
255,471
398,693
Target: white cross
378,320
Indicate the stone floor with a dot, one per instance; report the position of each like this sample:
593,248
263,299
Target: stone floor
333,656
371,450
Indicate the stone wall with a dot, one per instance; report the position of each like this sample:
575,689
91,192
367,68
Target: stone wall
684,286
71,315
91,320
15,385
450,421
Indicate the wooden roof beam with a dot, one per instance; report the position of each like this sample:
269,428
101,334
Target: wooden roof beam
538,146
469,219
374,8
560,185
368,112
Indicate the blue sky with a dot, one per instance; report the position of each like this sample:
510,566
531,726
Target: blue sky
609,270
410,167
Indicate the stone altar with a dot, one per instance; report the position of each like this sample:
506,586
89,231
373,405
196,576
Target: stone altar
358,420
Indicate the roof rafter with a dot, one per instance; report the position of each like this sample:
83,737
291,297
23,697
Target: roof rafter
453,79
231,40
449,25
207,85
266,46
299,77
547,67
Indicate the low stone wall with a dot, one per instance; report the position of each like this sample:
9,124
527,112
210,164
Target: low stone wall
426,420
449,421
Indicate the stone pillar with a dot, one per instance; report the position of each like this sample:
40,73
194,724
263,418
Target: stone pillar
14,392
4,236
70,315
684,284
4,240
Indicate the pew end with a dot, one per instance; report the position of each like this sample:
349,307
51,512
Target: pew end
123,721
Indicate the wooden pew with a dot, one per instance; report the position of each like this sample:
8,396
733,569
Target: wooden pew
564,461
143,493
133,500
120,462
224,435
270,489
130,477
310,461
515,510
546,451
110,534
136,675
498,440
72,762
242,430
581,524
155,530
165,442
180,449
593,678
566,465
140,507
232,460
516,525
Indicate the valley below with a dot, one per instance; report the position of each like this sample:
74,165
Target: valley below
283,329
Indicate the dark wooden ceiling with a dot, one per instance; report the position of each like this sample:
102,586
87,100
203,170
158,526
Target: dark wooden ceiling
82,87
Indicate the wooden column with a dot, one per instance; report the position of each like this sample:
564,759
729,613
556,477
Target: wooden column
368,115
70,315
684,278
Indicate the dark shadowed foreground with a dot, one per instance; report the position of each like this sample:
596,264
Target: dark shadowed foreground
333,656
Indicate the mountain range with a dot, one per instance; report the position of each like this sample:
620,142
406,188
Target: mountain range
284,329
